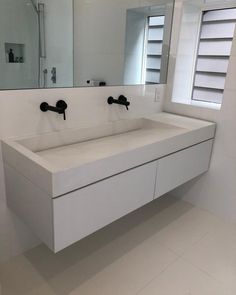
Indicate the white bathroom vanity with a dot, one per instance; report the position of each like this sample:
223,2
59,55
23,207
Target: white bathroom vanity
66,185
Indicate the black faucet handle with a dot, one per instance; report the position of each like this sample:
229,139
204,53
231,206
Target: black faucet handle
125,101
44,107
122,98
61,104
64,115
110,100
60,108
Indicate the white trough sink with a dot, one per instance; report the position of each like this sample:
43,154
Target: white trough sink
60,162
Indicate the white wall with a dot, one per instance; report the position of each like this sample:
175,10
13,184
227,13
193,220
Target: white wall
20,116
186,53
134,46
17,14
216,190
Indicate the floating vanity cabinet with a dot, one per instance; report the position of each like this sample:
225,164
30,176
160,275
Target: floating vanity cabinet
180,167
80,213
62,221
67,185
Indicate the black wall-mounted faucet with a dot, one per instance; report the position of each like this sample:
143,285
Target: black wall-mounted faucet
122,100
60,108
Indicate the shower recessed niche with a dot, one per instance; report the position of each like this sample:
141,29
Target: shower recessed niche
15,52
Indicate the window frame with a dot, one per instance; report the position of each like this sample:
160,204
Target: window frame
196,54
145,46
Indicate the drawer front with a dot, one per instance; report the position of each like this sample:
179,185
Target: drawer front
80,213
182,166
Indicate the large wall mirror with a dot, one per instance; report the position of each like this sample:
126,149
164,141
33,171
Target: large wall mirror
81,43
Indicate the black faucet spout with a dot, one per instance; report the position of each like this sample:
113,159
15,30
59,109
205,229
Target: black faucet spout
60,108
54,109
122,100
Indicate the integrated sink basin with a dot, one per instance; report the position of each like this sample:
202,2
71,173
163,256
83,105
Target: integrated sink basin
70,183
93,144
63,161
107,139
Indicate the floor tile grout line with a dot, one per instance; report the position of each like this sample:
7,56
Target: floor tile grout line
192,245
156,276
180,256
207,273
196,242
193,265
199,268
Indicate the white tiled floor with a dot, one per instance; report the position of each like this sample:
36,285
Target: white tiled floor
166,248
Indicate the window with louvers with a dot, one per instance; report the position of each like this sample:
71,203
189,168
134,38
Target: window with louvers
154,49
216,36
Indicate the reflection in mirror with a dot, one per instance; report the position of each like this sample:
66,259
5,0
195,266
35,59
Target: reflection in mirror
66,43
36,37
121,42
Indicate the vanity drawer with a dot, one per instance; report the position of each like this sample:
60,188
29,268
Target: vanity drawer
180,167
82,212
